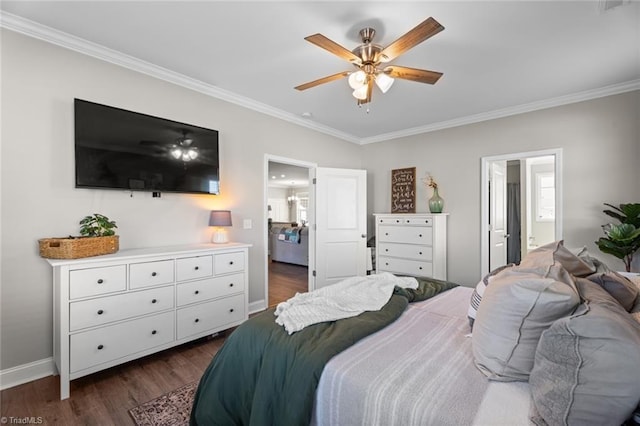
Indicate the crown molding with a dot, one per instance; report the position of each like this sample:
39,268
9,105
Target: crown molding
506,112
42,32
59,38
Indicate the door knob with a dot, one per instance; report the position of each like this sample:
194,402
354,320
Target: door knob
363,235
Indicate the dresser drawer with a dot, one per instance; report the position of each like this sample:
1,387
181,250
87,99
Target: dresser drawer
210,315
150,273
210,288
404,266
228,262
419,221
106,344
408,251
94,312
191,268
96,281
405,234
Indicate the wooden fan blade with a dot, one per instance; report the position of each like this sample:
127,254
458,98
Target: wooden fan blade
417,35
322,80
333,47
413,74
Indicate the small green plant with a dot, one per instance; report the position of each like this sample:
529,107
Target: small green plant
97,225
622,240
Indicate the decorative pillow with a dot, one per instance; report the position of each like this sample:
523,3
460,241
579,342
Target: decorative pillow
516,308
593,262
586,365
476,297
557,252
618,286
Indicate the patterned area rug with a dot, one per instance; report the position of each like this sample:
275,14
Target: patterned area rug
172,408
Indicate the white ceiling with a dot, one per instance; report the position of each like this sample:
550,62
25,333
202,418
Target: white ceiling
498,57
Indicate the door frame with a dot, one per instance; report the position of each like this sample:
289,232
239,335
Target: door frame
265,214
484,197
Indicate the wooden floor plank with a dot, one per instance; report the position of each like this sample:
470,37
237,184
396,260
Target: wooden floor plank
105,397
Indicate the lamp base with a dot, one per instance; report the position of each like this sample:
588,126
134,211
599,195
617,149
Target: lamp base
219,236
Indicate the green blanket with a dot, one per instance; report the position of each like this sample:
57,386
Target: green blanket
263,376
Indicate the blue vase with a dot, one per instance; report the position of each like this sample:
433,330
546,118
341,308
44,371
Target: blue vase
436,203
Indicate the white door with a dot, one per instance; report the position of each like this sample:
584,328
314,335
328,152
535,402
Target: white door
497,214
341,225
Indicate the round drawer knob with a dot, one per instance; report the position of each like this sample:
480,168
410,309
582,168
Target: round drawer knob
231,310
197,320
100,281
196,292
230,284
386,233
154,332
196,268
419,252
386,249
420,235
100,347
154,301
231,263
386,263
153,274
420,268
397,220
100,312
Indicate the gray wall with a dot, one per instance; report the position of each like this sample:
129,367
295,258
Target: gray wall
601,157
39,82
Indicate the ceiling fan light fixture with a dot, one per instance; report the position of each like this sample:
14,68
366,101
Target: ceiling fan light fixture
357,79
360,93
192,153
384,82
176,153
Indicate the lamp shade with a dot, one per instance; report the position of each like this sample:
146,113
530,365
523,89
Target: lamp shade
220,218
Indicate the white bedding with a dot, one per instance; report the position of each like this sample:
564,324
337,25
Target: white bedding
345,299
418,371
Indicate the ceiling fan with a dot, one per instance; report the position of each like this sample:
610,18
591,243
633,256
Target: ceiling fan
370,59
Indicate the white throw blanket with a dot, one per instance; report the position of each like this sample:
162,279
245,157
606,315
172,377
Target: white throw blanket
345,299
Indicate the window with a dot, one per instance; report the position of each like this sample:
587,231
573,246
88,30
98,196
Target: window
545,197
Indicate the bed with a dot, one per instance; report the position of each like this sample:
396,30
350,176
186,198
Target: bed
414,361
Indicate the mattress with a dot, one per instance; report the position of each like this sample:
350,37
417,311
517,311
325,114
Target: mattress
418,371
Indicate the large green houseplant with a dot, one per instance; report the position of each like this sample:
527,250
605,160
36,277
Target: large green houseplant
622,240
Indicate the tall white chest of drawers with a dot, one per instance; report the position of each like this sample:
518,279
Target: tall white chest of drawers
412,244
111,309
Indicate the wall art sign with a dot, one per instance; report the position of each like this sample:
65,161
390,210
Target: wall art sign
403,190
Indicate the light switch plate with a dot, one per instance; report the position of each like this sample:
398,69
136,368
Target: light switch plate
246,224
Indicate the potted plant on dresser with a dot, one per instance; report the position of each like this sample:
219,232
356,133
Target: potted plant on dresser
97,237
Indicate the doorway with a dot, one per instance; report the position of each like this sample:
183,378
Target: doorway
521,205
287,215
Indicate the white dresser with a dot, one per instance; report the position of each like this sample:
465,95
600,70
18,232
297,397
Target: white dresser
115,308
412,244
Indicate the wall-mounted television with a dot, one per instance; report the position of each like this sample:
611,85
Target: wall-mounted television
120,149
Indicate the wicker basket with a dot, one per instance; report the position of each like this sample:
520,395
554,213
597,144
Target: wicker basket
75,248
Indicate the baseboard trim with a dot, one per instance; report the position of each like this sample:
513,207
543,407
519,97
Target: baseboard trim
26,373
257,306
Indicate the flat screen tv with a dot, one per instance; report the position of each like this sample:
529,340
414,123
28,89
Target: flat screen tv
120,149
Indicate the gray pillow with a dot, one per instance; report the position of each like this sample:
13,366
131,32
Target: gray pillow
557,252
586,369
618,286
476,296
518,305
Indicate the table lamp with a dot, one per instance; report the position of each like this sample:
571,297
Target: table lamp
220,218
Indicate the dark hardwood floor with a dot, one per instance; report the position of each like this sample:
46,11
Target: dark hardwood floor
105,398
285,280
